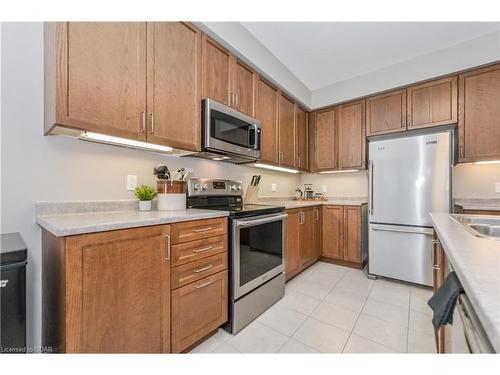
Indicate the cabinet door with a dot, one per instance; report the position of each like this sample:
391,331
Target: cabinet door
317,232
118,292
326,145
352,234
301,138
306,237
386,113
292,243
267,113
174,85
333,219
432,103
286,131
244,88
216,71
198,309
352,135
479,114
101,77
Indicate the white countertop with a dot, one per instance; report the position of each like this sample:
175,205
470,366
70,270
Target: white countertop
288,204
476,261
90,222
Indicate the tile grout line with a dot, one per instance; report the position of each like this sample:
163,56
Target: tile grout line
408,329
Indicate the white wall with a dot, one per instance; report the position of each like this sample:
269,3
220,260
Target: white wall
476,181
35,167
350,184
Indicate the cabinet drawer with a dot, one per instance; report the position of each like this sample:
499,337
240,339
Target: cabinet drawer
198,229
193,271
198,309
196,250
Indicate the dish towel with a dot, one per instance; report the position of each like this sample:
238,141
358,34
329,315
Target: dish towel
444,300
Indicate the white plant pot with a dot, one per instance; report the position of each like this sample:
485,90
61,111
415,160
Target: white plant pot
144,205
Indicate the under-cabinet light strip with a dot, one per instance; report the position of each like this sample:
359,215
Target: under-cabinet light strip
341,171
274,168
487,162
102,138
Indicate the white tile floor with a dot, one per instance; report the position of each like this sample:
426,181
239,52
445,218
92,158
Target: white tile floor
334,309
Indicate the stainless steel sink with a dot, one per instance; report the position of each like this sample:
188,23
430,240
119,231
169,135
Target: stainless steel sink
480,226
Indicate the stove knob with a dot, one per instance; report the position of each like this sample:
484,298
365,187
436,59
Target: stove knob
238,187
204,187
196,186
233,187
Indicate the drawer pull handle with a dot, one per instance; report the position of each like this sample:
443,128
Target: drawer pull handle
202,249
204,284
202,229
203,268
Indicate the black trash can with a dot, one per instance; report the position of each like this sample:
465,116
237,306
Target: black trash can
13,260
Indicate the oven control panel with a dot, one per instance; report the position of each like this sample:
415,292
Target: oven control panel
210,187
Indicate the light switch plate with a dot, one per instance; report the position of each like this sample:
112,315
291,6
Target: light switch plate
273,187
323,188
131,182
497,187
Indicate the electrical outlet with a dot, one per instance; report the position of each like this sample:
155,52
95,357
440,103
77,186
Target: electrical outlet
323,188
273,187
131,182
497,187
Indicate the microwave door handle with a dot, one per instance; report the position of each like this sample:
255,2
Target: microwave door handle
256,139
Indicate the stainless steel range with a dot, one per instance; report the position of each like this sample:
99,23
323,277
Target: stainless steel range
256,248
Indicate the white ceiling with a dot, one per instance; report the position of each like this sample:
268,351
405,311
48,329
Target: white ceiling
323,53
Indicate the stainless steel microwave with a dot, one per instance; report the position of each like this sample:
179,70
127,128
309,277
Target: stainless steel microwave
229,135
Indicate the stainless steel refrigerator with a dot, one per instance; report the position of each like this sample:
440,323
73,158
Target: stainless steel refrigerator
409,177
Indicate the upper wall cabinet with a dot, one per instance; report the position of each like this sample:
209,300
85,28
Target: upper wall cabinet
479,114
352,135
174,84
301,138
226,79
386,113
286,131
325,149
267,113
96,76
432,103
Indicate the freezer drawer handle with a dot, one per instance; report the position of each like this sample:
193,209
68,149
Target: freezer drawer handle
422,231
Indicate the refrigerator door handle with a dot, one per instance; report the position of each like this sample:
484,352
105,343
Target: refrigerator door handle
370,187
393,228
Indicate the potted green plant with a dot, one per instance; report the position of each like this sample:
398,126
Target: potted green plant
145,194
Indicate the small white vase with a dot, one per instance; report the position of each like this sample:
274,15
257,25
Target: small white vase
144,205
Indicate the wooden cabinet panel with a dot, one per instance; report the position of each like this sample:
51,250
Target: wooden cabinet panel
116,292
352,135
267,113
292,243
306,237
196,250
317,232
479,114
193,271
198,229
386,113
325,132
286,131
481,212
198,309
244,88
174,85
432,103
333,219
301,138
216,63
96,77
352,234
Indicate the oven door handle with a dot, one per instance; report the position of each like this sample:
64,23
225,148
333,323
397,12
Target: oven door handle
251,223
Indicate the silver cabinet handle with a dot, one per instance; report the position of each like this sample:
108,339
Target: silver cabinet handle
317,214
202,229
152,122
167,236
301,217
198,270
143,126
204,284
202,249
299,160
436,263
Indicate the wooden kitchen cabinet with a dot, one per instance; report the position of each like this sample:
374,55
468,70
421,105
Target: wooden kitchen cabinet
292,257
325,123
333,217
317,217
286,131
352,234
306,238
432,103
267,113
216,71
386,113
174,85
244,88
479,114
352,135
95,77
107,292
301,138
